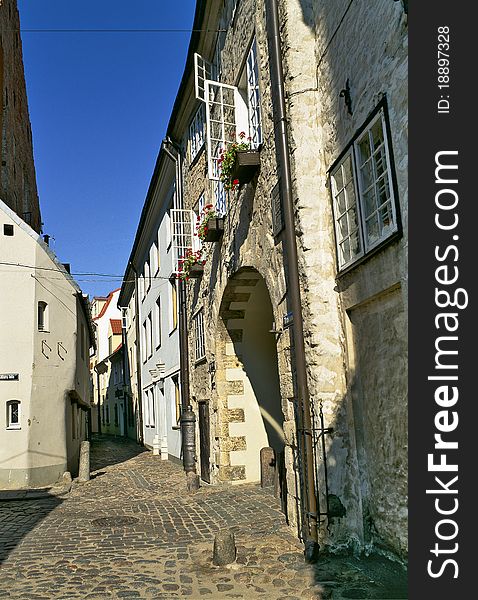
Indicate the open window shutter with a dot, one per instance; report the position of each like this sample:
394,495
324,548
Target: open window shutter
220,122
183,223
202,72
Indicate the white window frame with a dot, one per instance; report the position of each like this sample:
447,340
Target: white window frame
197,133
9,416
254,97
379,155
199,336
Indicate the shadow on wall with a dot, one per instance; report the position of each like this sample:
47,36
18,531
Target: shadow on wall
19,517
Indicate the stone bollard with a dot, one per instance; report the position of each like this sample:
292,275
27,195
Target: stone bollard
84,468
192,481
224,551
267,467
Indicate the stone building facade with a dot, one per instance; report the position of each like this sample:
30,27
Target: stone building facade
18,187
345,79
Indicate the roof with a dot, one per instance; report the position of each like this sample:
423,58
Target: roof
115,326
107,303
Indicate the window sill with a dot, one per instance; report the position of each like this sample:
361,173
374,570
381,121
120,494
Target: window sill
14,428
176,427
200,361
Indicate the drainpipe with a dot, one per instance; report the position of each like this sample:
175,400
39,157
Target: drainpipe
304,425
188,418
138,356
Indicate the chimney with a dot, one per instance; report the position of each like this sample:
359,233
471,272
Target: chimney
46,239
67,267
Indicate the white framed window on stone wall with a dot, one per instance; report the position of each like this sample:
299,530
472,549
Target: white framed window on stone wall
13,417
199,338
253,97
230,110
363,193
196,132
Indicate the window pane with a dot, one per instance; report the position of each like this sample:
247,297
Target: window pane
347,173
377,133
369,205
344,251
341,205
364,149
372,229
338,180
343,227
14,413
367,175
355,246
386,217
383,190
380,161
350,192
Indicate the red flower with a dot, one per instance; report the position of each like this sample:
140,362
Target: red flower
235,182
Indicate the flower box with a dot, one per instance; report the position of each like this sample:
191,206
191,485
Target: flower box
215,229
196,271
245,166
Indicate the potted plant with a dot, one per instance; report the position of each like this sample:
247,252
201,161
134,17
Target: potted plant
238,163
191,266
209,226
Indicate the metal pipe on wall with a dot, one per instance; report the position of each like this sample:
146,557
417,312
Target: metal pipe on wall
304,425
188,418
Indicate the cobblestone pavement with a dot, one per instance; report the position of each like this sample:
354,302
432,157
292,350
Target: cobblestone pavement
133,531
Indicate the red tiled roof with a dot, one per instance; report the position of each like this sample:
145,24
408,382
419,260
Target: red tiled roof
115,326
105,306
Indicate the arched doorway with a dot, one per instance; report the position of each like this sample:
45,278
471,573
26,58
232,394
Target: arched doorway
249,415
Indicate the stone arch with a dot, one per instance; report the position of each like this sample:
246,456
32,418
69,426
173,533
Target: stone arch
249,415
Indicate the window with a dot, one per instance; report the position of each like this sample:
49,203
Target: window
196,133
42,316
146,408
153,258
199,342
149,332
13,414
147,276
229,109
141,287
176,398
174,304
116,415
157,322
103,413
362,194
7,229
253,97
107,415
144,341
152,415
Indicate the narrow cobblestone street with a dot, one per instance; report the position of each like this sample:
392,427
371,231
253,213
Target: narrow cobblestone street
133,531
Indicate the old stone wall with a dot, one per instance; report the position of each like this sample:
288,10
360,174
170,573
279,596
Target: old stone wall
18,187
355,323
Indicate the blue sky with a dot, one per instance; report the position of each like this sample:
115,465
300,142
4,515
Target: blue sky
99,107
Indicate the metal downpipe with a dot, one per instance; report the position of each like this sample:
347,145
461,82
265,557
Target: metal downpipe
304,425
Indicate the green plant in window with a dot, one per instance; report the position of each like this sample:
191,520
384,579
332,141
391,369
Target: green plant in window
227,159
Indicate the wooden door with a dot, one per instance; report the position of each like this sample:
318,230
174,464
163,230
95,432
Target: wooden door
204,441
